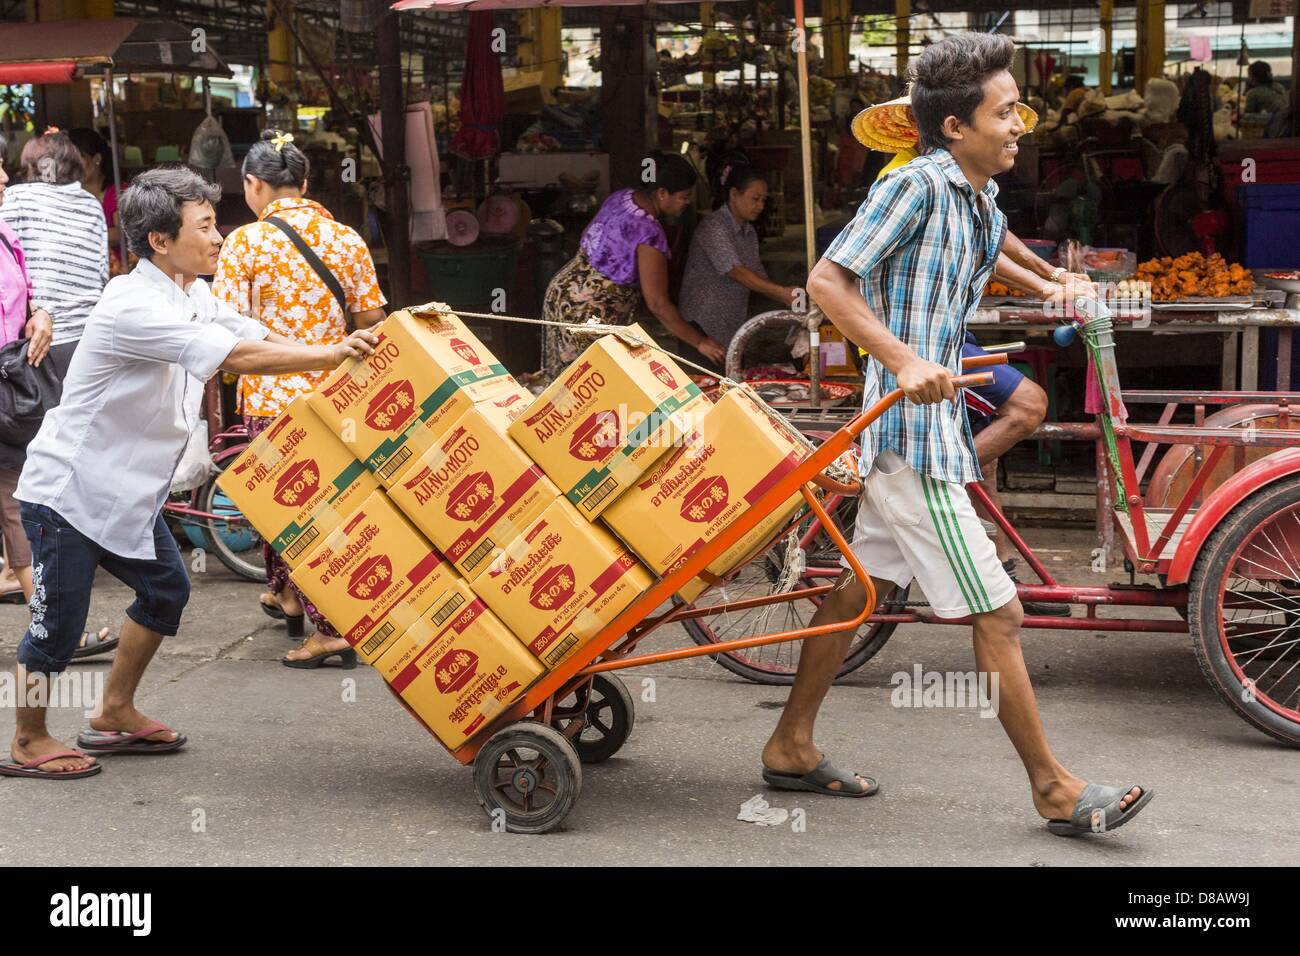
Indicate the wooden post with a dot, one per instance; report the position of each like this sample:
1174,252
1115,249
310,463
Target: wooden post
1150,58
627,71
1105,62
837,23
392,112
540,47
708,20
902,36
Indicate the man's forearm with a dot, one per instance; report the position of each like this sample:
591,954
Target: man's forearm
1018,277
835,290
1023,256
267,357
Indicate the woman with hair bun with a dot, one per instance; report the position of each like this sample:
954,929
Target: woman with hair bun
262,274
623,257
723,266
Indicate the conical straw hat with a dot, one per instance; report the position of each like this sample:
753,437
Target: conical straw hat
889,127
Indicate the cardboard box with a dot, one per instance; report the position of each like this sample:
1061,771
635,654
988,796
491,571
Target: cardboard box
561,582
457,667
296,482
603,423
474,492
426,371
732,457
373,576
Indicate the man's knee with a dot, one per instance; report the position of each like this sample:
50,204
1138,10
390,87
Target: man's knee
1026,408
848,593
1002,624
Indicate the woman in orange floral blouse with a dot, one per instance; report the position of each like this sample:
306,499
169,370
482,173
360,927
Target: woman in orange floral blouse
264,276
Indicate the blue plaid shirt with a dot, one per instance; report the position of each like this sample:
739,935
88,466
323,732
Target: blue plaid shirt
924,244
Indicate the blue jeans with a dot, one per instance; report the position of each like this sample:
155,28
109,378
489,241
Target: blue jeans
64,562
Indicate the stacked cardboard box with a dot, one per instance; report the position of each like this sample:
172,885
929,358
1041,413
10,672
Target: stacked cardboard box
733,455
296,482
603,423
427,370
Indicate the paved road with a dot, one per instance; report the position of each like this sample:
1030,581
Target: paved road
282,770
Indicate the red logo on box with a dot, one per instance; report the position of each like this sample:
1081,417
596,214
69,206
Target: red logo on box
706,500
297,484
371,578
553,588
392,408
465,351
596,438
662,373
455,669
471,499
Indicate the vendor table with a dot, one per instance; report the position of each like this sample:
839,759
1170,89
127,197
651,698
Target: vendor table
1239,328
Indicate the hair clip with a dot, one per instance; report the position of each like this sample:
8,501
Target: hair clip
280,139
51,130
726,171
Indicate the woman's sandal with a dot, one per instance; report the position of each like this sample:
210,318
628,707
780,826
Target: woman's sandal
346,655
292,622
1098,811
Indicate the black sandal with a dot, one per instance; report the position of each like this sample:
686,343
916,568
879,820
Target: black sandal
292,622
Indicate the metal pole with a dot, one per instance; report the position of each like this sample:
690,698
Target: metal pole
117,168
810,218
392,111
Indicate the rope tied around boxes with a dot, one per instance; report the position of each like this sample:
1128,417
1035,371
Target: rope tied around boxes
835,470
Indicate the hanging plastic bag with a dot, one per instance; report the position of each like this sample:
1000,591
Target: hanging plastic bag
196,463
209,146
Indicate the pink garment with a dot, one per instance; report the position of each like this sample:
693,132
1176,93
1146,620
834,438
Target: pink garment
1092,402
15,287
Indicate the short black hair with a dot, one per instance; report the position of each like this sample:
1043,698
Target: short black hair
278,168
1260,72
666,171
153,203
948,80
1072,82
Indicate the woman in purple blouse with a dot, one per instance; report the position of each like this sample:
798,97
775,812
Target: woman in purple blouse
623,256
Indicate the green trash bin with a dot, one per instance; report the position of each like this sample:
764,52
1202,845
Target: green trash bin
465,276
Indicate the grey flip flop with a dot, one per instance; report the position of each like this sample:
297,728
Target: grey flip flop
818,779
95,645
116,742
1098,811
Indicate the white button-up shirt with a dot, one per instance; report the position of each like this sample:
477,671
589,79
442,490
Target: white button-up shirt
104,458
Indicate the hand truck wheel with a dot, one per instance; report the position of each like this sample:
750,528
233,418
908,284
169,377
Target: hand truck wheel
527,778
604,705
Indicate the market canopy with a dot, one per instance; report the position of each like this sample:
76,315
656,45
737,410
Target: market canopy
60,51
452,5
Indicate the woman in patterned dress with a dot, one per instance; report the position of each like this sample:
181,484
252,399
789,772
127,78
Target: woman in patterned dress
623,257
263,276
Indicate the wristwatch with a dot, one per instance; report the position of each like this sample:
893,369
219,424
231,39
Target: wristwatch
1056,275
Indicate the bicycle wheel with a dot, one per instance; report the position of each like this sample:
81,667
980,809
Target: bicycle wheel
237,545
777,663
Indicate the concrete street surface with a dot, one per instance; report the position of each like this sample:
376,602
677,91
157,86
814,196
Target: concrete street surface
284,768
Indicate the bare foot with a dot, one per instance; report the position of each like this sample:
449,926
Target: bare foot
24,749
316,646
1057,800
129,720
801,761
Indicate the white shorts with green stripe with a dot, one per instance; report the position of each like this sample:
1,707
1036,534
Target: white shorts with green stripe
913,526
